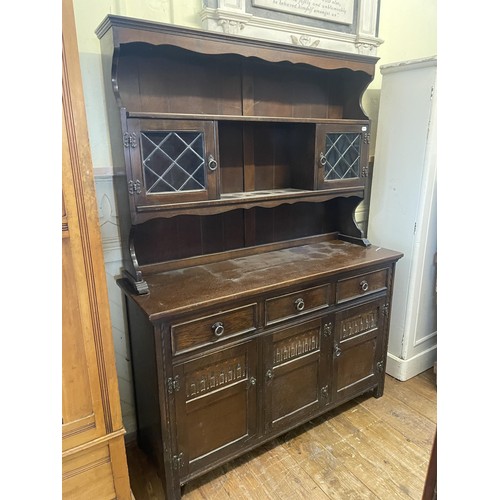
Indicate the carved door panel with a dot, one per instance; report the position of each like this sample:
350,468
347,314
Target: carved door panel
215,400
357,350
294,374
342,155
171,161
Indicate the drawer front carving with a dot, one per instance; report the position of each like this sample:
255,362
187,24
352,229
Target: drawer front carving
364,284
295,304
209,329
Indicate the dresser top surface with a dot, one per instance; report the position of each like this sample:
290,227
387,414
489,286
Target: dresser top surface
192,288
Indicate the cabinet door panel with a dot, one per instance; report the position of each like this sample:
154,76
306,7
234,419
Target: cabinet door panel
358,348
217,419
342,155
294,372
356,365
171,161
215,405
295,387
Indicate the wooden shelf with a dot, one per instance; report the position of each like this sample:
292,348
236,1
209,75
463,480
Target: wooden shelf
230,201
243,118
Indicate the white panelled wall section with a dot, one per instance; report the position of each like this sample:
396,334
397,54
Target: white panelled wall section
403,209
113,258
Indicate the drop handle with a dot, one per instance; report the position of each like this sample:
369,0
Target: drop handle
212,163
218,328
364,285
300,304
269,374
338,352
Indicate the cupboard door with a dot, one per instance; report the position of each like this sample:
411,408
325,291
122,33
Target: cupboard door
171,161
358,349
342,155
293,375
215,405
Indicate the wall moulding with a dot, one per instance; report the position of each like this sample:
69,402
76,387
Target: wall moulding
351,26
108,215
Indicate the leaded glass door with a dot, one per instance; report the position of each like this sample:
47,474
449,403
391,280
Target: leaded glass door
171,161
342,155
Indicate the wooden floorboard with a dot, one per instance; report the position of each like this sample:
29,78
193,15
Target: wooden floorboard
367,449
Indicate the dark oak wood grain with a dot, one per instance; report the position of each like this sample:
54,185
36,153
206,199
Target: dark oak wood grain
254,301
348,452
185,289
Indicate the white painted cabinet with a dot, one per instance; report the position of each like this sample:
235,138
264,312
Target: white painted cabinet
403,209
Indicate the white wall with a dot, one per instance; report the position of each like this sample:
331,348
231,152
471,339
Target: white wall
407,27
409,31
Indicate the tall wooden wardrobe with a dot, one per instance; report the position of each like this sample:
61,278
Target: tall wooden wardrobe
94,463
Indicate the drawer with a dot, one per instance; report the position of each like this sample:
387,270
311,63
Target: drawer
363,284
296,303
209,329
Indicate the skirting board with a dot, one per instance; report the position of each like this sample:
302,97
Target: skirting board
404,369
